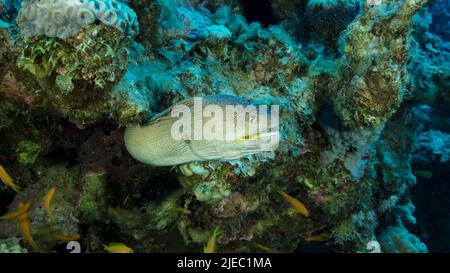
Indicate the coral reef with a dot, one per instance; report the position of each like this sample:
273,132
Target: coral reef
363,96
427,54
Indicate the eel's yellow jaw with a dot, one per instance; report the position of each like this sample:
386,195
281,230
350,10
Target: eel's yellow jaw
257,136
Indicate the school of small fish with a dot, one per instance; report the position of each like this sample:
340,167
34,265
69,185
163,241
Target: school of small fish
21,214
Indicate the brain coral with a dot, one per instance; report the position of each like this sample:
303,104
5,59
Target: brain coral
65,18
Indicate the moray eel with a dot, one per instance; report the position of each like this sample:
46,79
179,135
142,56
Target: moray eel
153,143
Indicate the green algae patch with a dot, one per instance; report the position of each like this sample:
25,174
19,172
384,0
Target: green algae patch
27,152
92,206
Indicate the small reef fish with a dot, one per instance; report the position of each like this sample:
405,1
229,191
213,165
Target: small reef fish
18,212
48,200
154,142
295,203
24,222
211,246
183,210
265,248
318,238
423,174
67,238
117,248
7,180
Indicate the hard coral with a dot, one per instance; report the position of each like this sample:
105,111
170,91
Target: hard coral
65,18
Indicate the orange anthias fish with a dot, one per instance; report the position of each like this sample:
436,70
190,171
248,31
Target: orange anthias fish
18,212
7,180
118,248
265,248
318,238
295,203
67,238
48,200
211,246
24,222
183,210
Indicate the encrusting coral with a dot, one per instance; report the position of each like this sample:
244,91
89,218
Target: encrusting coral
71,75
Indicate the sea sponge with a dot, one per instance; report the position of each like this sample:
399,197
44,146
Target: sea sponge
64,19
